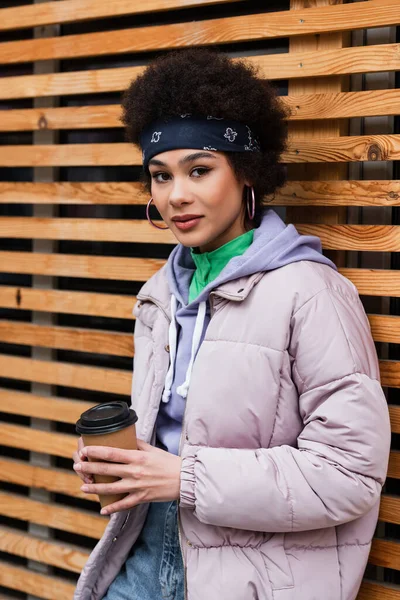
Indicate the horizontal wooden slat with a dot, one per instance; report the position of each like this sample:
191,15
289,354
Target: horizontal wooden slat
374,282
59,481
70,265
390,509
82,10
66,192
336,193
82,522
334,149
394,412
57,301
66,338
294,193
385,553
100,230
375,13
307,106
373,238
341,61
42,586
35,440
385,328
378,591
394,464
52,408
114,381
57,554
390,373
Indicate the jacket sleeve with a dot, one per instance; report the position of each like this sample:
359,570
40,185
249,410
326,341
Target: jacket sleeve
336,472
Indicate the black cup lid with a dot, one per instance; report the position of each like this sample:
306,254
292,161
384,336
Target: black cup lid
106,418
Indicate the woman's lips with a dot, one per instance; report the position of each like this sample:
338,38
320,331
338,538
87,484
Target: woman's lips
189,224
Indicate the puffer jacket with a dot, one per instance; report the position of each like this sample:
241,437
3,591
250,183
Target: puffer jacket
285,440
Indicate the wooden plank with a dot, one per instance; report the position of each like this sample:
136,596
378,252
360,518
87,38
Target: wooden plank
341,105
137,231
390,509
394,465
341,61
294,193
385,328
374,282
378,591
82,522
259,26
337,193
42,586
385,553
59,481
394,412
53,408
66,192
77,303
67,338
373,238
57,554
68,11
35,440
390,374
72,265
330,149
115,381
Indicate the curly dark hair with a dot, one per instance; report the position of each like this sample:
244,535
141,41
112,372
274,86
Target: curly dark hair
202,81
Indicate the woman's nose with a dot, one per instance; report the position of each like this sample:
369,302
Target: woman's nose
179,195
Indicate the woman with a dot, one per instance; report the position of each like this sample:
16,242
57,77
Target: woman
264,431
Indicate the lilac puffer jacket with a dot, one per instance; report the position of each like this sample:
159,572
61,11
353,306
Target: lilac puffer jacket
285,440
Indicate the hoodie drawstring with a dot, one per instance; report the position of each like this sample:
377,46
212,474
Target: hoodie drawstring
182,390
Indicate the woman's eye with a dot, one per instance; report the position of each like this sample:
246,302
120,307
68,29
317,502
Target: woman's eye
160,177
200,170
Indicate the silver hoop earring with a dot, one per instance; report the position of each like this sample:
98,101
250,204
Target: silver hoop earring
148,216
251,208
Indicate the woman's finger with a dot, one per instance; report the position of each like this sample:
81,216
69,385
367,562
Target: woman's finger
125,504
117,487
99,468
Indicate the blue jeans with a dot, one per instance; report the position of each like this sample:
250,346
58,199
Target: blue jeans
153,569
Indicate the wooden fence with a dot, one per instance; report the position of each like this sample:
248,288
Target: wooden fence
75,246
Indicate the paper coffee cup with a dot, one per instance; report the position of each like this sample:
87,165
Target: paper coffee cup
110,424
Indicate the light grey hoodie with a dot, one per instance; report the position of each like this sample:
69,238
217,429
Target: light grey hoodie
274,245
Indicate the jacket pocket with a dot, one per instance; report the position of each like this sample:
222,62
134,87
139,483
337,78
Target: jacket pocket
277,562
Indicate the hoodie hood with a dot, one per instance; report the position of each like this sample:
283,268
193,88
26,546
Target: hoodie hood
274,245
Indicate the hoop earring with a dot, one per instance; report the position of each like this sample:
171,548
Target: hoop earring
148,216
251,210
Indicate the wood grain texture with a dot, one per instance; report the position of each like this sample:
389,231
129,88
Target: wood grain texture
378,591
82,10
385,553
42,586
80,521
374,238
294,193
325,19
57,554
66,302
35,440
302,65
53,408
137,231
390,509
390,374
330,149
59,481
385,328
66,192
71,265
115,381
394,412
67,338
341,105
374,282
394,465
337,193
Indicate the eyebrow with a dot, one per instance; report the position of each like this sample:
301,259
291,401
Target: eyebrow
185,159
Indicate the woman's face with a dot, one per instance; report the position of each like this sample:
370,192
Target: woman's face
198,197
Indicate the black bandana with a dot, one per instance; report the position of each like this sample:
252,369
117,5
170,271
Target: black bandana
205,133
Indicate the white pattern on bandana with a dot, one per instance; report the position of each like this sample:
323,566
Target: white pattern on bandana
230,134
156,136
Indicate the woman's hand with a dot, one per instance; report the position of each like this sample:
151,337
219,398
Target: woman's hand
148,474
77,456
